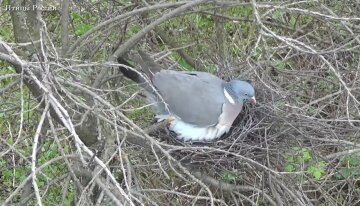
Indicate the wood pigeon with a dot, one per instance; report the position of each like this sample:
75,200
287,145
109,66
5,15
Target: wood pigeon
198,105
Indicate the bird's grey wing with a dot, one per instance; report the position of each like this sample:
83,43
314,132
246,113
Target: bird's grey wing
196,98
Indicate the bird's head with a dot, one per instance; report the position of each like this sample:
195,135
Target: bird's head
239,91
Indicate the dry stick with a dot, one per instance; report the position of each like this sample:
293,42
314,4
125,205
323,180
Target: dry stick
229,187
122,49
100,198
293,195
129,169
100,182
291,42
34,149
321,99
123,157
64,27
308,12
179,49
98,27
136,38
282,26
343,153
105,103
342,22
181,194
28,178
159,163
142,135
246,198
22,102
236,201
272,189
7,76
248,160
65,119
26,159
65,189
6,88
62,152
147,137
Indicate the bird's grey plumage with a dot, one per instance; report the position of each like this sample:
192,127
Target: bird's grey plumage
148,66
195,97
202,106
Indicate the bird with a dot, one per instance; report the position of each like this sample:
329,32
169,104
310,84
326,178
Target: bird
199,106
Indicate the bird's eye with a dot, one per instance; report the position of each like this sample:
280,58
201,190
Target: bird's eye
246,94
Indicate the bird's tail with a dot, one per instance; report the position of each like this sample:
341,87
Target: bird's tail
128,72
148,67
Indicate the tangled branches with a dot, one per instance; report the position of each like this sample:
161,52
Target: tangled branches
78,128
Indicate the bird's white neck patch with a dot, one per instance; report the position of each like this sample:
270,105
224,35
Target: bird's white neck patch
228,97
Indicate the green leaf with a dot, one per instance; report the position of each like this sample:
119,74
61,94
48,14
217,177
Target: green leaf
6,34
353,161
292,22
197,21
211,68
75,16
135,29
317,174
281,65
258,53
229,25
344,173
82,29
306,155
278,14
230,177
317,171
7,174
185,65
290,168
290,158
10,141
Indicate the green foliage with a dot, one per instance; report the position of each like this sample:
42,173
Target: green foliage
184,65
281,65
317,170
261,203
203,21
240,11
351,167
278,15
231,177
6,33
292,22
81,27
199,28
2,121
136,110
5,68
258,53
211,68
311,110
298,155
297,158
13,176
17,174
134,29
6,29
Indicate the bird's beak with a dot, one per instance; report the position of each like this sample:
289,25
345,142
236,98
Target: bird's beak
252,100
